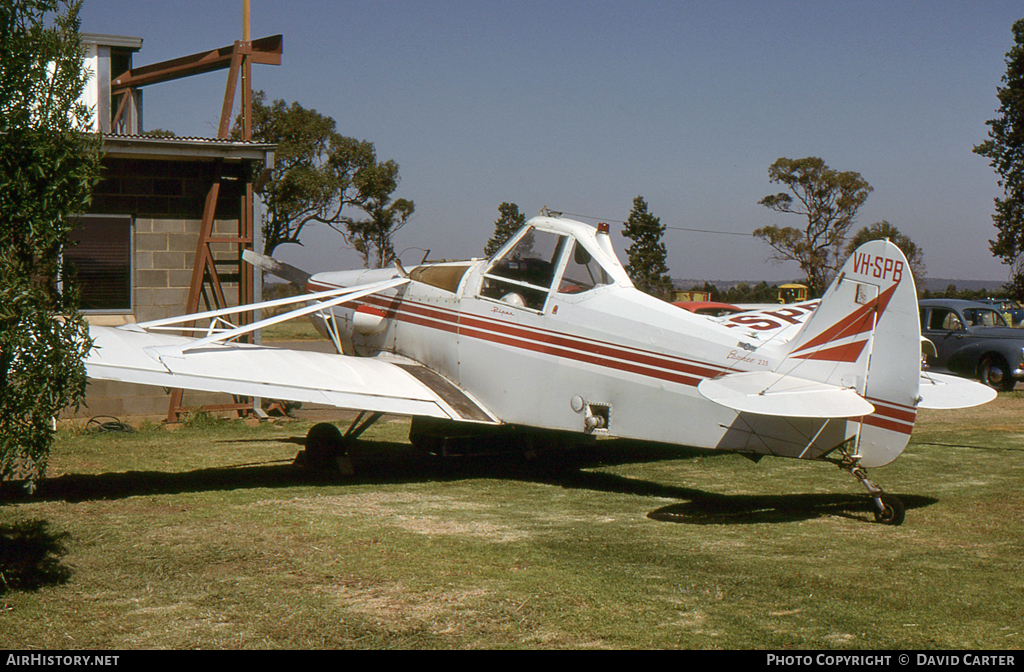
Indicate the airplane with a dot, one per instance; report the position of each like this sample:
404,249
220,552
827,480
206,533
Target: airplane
549,342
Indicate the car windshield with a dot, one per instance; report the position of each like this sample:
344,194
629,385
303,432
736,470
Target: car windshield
983,317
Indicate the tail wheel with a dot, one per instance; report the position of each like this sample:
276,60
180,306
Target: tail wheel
892,511
995,373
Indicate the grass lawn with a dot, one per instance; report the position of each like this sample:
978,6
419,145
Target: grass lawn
292,330
207,537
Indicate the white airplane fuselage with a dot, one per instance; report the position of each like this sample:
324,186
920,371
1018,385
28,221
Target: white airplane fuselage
609,361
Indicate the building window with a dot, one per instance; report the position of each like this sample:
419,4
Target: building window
101,256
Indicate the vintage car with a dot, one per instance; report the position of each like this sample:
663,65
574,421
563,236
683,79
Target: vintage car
1011,310
972,339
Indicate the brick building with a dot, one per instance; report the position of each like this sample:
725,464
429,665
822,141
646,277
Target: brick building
137,244
136,248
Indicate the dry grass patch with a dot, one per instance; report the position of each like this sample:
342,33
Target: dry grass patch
422,514
394,605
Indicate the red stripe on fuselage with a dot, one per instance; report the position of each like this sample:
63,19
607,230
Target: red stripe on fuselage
593,348
883,423
575,355
547,342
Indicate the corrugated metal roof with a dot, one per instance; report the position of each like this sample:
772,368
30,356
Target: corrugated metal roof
143,146
184,139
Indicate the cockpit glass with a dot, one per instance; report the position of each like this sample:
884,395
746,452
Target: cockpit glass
523,275
532,260
582,272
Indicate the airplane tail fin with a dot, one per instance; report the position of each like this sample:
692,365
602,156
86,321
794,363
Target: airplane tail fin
865,336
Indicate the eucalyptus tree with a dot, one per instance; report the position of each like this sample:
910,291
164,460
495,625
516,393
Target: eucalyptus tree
372,235
319,175
828,201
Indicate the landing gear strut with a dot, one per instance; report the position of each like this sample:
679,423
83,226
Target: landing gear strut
889,508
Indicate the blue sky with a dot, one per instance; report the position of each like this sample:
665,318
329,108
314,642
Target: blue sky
582,106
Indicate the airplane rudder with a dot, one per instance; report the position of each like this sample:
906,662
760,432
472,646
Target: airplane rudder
865,335
894,366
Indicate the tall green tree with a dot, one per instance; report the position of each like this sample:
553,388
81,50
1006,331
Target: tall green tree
48,166
318,174
883,230
828,201
372,235
1005,151
509,221
647,267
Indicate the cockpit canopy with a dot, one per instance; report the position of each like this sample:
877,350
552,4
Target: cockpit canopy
540,261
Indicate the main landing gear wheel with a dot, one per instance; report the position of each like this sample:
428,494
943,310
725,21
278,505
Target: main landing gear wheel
326,446
325,449
324,442
891,510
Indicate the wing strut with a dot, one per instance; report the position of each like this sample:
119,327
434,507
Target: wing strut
146,355
222,335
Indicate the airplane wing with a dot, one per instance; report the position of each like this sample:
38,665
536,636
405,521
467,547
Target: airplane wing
941,391
147,354
770,393
370,384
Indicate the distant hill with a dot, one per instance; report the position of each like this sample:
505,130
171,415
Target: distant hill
933,284
939,284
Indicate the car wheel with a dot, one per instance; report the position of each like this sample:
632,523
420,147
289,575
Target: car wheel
995,373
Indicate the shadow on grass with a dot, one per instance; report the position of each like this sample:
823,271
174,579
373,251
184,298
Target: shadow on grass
712,509
374,461
379,462
30,556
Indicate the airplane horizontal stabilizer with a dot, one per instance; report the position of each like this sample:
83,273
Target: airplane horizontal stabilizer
370,384
770,393
940,391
